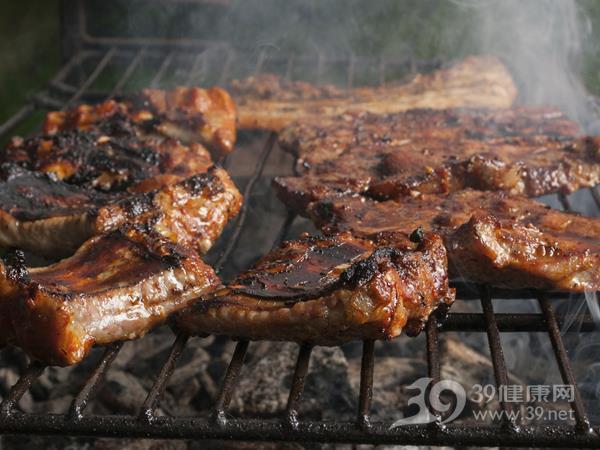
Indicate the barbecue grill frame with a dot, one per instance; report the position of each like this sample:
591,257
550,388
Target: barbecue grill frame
290,426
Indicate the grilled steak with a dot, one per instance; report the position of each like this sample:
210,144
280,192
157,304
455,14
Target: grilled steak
111,157
269,102
191,115
116,286
530,151
50,217
507,241
327,291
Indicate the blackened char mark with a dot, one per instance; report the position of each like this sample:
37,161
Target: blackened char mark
29,196
16,270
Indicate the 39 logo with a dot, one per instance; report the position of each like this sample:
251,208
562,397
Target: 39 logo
424,414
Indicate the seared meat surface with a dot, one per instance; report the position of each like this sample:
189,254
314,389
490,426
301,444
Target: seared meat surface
507,241
50,217
328,291
529,151
192,212
114,156
45,215
122,162
269,102
116,286
190,115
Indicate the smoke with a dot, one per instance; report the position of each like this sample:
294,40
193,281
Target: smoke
542,43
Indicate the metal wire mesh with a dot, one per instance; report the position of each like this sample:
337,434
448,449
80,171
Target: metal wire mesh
201,67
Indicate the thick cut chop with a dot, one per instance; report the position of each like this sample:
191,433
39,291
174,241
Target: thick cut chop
527,151
327,291
507,241
269,102
113,156
191,115
115,287
52,218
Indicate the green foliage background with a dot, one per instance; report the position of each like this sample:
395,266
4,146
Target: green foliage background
29,32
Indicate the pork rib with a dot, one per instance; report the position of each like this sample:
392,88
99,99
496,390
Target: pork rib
116,286
188,114
327,291
495,238
53,218
114,156
269,102
529,151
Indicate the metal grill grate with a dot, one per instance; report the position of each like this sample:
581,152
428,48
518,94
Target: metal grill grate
81,80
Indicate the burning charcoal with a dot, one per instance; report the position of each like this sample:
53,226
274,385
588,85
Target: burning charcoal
265,383
55,405
122,392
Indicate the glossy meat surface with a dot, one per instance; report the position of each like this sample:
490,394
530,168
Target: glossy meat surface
188,114
269,102
529,151
44,215
115,287
328,291
52,218
192,212
507,241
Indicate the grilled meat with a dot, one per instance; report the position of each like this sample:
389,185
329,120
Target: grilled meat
190,115
117,163
192,212
507,241
327,291
530,151
131,186
45,215
269,102
111,157
116,286
50,217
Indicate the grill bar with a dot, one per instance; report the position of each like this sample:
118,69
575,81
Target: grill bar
564,201
162,70
366,384
433,357
498,362
307,431
508,322
226,66
32,373
229,382
199,62
285,228
235,236
131,68
92,77
596,195
17,118
291,410
564,365
93,382
160,384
